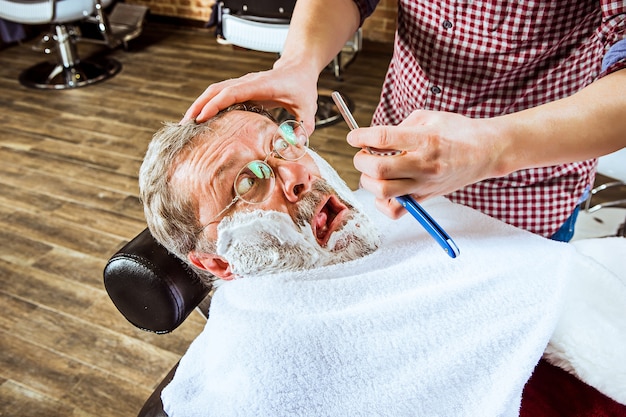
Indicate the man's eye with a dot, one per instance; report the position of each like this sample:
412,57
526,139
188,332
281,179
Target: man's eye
244,185
280,145
254,181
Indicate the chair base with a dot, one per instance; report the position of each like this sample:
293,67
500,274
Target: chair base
615,202
327,111
608,222
50,76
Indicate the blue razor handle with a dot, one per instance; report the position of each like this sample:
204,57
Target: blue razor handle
431,226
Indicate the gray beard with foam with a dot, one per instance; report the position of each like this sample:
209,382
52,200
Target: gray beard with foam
264,242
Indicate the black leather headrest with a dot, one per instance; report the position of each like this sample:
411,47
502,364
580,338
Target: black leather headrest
152,288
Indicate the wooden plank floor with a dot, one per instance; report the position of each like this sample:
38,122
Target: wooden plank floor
68,201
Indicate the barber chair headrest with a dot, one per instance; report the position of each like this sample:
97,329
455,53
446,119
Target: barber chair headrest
152,288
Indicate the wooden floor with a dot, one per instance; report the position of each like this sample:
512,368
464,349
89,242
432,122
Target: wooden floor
68,201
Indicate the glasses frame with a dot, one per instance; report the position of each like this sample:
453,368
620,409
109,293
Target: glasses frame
272,153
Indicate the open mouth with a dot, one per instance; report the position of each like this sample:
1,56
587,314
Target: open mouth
328,218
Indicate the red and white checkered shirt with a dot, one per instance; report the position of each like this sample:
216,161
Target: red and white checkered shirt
488,58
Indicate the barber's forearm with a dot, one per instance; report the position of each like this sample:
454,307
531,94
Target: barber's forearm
317,32
588,124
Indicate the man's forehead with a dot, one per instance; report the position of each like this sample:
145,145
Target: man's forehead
240,121
236,135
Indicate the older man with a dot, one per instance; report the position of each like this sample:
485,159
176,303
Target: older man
336,309
238,167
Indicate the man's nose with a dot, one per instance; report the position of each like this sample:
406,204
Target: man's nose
294,178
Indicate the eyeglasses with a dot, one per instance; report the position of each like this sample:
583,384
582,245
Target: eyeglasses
256,180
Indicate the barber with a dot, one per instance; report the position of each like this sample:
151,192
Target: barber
497,105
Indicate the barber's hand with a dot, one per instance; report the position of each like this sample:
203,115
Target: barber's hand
442,152
286,86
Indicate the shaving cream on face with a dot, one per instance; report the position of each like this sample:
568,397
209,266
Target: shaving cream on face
264,242
334,180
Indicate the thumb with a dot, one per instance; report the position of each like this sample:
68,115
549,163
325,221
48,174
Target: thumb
307,117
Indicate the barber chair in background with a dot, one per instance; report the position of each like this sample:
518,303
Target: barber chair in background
614,167
604,212
156,292
123,24
262,26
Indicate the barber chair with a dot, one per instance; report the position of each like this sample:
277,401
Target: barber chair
64,17
604,212
156,292
262,26
612,166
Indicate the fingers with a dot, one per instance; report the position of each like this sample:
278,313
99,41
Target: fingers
306,114
204,104
389,188
389,176
274,88
217,97
404,137
390,208
441,152
385,137
372,137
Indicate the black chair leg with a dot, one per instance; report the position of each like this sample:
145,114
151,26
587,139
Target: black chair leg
153,407
69,71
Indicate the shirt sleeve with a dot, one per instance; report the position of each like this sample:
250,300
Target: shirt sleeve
613,31
615,56
366,8
612,8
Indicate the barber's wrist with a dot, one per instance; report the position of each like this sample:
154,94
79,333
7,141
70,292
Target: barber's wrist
303,64
503,153
304,72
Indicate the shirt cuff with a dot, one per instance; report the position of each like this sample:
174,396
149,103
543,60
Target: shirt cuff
615,58
366,8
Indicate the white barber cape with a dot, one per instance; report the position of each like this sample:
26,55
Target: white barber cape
405,331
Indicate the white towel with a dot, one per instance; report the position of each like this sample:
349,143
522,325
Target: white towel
590,338
405,331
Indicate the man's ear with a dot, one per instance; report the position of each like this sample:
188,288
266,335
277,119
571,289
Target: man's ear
215,264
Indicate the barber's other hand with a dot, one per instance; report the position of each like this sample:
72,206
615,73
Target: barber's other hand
284,86
442,152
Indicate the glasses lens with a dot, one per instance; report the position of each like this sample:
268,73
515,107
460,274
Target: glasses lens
255,182
291,140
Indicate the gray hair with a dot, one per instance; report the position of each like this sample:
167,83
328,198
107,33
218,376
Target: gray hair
172,214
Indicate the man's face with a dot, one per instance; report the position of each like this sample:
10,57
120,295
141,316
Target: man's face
304,223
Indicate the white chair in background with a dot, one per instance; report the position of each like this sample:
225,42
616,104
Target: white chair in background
604,212
614,167
64,16
263,26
